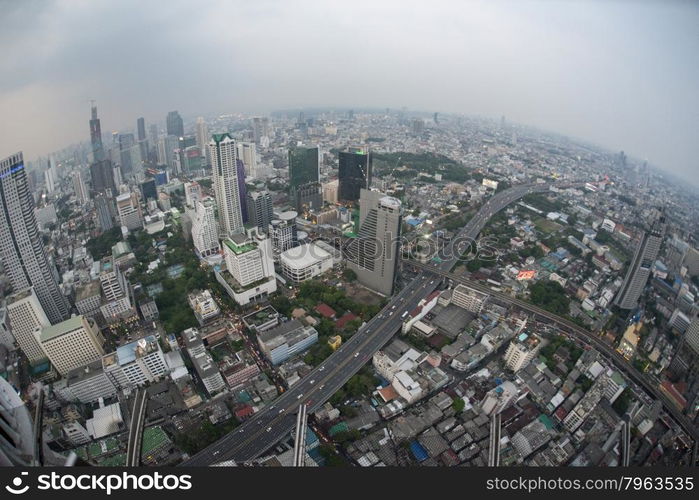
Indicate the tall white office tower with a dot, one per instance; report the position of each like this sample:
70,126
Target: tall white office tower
21,247
225,183
373,255
80,188
201,132
25,314
205,228
50,180
247,151
71,344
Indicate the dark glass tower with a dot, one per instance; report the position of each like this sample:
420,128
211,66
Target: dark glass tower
303,166
174,124
96,136
21,247
354,174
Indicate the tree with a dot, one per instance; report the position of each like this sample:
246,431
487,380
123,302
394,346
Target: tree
458,404
349,275
551,296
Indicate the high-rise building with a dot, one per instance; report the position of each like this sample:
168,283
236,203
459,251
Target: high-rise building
136,363
308,196
192,193
355,170
18,443
242,190
283,232
104,214
21,247
225,184
148,190
25,315
174,124
129,211
71,344
640,268
142,139
260,129
6,337
521,351
303,166
102,177
201,132
141,129
50,180
260,209
247,260
80,188
247,152
96,137
373,255
330,192
205,228
249,273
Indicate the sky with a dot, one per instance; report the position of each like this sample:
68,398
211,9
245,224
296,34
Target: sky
621,74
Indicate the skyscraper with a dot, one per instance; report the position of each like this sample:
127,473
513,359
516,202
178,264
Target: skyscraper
201,133
129,211
25,315
71,344
260,209
303,166
79,188
21,247
225,184
308,196
174,124
141,128
640,268
247,152
142,139
205,229
354,174
373,255
242,190
96,137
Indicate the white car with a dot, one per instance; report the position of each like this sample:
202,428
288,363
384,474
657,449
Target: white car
281,411
321,368
269,429
313,382
299,396
356,354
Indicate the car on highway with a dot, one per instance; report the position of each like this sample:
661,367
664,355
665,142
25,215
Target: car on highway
299,396
321,369
269,429
356,354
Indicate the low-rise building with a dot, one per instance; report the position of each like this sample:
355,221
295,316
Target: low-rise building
286,340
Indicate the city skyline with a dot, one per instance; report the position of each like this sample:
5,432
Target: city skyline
532,62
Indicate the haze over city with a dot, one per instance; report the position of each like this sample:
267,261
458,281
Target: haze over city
619,74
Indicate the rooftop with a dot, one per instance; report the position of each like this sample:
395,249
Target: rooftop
238,248
62,328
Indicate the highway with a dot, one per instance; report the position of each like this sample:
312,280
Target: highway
133,450
274,422
588,337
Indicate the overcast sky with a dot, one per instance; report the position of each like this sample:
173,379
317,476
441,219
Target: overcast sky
621,74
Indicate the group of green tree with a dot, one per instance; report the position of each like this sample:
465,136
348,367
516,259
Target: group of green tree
427,163
551,296
101,246
195,440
